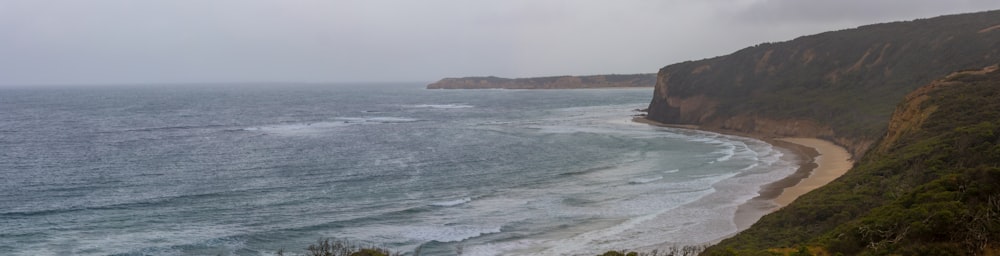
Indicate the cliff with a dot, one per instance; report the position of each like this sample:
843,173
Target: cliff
930,186
839,85
554,82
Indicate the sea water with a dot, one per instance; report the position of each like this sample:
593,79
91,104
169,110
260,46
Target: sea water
252,169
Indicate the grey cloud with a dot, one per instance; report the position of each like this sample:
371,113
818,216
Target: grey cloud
173,41
854,11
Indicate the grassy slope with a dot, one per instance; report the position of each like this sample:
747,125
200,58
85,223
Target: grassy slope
930,187
849,80
933,189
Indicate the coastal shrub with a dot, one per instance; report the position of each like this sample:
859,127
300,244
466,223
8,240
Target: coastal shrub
688,250
849,80
341,247
933,191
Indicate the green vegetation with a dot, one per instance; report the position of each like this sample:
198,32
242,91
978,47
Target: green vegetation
929,185
336,247
933,191
848,80
689,250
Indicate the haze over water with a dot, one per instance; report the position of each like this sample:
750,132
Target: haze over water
249,170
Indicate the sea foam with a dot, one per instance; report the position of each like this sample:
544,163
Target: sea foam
452,202
299,128
443,106
644,180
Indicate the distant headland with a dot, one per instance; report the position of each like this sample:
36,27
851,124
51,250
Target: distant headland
551,82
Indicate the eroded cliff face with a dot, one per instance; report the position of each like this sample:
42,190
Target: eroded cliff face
702,110
556,82
911,114
842,85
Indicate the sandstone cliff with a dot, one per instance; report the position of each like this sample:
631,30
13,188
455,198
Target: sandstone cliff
554,82
840,85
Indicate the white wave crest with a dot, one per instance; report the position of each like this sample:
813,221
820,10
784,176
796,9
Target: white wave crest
727,153
644,180
377,120
443,106
297,127
317,127
448,233
453,202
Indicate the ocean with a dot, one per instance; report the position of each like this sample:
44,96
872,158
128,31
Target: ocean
251,169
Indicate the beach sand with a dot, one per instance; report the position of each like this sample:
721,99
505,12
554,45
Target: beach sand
832,162
820,162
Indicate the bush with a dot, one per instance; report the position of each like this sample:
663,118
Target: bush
339,247
689,250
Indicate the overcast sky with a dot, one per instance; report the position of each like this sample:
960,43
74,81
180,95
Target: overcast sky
181,41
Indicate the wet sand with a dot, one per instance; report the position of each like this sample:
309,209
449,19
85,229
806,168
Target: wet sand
832,162
820,162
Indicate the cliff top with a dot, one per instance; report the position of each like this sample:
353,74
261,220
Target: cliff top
840,85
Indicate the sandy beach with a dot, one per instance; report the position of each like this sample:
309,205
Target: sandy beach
820,162
831,162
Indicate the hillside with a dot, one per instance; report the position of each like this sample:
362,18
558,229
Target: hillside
839,85
931,186
553,82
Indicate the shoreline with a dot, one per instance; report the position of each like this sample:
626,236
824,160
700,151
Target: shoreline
819,161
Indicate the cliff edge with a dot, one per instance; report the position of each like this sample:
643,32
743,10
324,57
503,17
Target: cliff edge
841,85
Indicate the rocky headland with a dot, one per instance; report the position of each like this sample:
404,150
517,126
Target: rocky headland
912,103
840,86
552,82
